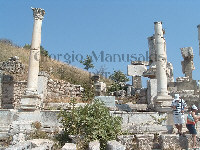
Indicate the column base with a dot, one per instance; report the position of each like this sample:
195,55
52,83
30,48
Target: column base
31,102
163,103
31,92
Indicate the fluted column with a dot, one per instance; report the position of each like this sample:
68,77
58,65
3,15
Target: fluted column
34,57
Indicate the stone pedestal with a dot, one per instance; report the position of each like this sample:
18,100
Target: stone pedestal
163,103
31,102
42,84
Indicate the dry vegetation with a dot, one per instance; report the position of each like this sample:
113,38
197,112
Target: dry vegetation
56,69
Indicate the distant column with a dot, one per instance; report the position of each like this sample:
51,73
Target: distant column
34,57
199,36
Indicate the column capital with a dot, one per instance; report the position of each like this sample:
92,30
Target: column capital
38,13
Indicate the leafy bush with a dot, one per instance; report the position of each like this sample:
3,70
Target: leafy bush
119,79
92,122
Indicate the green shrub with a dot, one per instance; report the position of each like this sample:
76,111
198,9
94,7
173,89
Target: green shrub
92,122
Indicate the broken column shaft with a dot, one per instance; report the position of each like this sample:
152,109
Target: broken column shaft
161,60
33,69
163,100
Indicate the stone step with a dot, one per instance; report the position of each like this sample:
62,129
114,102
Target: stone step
4,135
4,128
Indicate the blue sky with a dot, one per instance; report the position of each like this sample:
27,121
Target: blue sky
75,28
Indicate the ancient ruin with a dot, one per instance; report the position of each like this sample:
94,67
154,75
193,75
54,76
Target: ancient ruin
31,99
28,106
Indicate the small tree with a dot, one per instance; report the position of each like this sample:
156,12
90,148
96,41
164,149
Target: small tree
87,63
119,79
91,122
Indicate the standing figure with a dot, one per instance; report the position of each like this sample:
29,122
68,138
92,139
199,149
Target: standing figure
178,106
192,119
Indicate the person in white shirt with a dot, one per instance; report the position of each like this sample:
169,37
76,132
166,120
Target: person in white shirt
178,106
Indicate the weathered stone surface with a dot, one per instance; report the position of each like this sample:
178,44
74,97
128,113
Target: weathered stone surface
187,52
129,107
100,88
136,70
120,93
137,118
151,92
21,146
69,146
39,142
128,140
129,91
146,63
42,144
114,145
13,91
137,82
187,63
146,128
109,101
31,102
95,145
60,89
42,84
170,141
13,66
152,51
145,141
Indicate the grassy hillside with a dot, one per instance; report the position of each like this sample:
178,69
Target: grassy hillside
56,69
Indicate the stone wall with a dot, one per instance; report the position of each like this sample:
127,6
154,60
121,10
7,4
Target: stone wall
12,91
59,89
13,65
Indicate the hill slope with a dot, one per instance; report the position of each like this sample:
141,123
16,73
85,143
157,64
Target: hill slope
56,69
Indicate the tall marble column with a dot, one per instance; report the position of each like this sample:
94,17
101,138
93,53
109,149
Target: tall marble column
31,100
34,57
199,36
163,100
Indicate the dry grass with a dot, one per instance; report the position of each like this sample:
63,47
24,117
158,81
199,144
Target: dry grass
56,69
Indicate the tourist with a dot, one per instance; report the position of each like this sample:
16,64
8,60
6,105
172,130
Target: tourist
192,118
178,106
